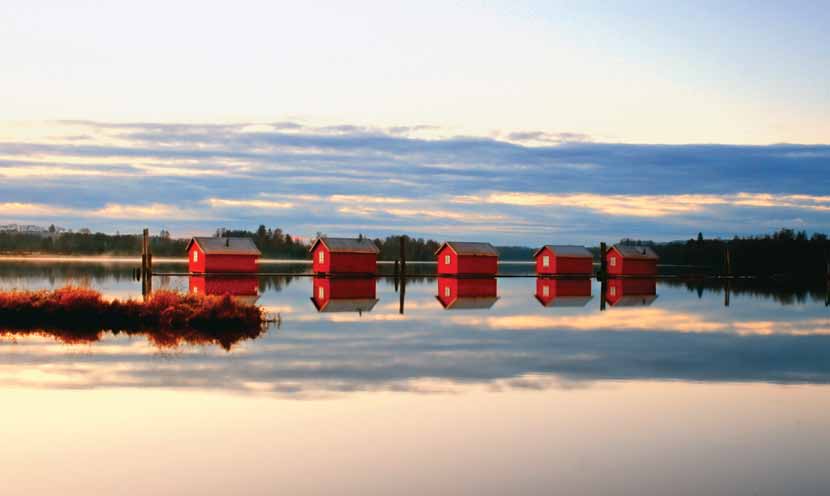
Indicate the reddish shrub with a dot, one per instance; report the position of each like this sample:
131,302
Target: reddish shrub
168,318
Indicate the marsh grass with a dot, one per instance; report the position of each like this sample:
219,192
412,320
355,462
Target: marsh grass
168,318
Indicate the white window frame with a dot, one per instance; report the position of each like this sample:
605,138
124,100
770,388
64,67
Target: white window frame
545,261
321,256
447,292
447,259
612,261
195,255
321,293
613,290
545,290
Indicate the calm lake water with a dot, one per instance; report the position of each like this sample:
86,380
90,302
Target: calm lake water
507,386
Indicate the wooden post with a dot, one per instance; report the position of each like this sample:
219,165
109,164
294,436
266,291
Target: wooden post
144,252
146,265
403,255
603,268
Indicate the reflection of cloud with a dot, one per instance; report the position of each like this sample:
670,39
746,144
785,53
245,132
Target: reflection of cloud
655,319
311,356
652,319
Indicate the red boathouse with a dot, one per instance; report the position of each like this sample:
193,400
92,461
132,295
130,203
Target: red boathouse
564,259
563,292
467,294
238,255
344,294
465,258
344,256
624,260
630,292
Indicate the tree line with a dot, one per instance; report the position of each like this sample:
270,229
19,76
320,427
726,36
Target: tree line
785,252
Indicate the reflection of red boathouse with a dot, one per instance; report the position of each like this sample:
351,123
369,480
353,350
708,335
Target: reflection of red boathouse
243,288
563,292
631,292
344,294
454,293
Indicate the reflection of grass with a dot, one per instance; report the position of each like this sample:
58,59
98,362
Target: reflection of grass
168,318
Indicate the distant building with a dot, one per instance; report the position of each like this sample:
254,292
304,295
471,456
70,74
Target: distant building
563,292
466,258
564,259
344,256
630,292
623,260
467,294
236,255
344,294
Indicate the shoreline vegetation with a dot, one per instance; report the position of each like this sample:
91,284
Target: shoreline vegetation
785,252
79,315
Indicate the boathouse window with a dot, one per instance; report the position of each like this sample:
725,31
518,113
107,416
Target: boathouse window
545,290
321,292
545,263
195,256
447,291
321,257
613,262
446,261
613,290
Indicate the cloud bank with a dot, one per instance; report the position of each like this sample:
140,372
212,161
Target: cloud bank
511,187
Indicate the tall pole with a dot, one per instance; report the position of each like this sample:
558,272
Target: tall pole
146,265
144,252
728,260
403,255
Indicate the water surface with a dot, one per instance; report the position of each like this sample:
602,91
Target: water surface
482,387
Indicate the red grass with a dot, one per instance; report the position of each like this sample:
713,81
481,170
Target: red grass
168,318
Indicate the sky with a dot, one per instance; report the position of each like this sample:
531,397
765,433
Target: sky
514,122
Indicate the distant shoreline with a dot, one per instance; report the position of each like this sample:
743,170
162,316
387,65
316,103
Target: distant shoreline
121,259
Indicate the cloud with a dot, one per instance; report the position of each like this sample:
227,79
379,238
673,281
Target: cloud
652,205
525,188
108,211
259,204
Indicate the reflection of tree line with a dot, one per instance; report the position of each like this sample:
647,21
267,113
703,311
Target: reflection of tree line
55,271
783,292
